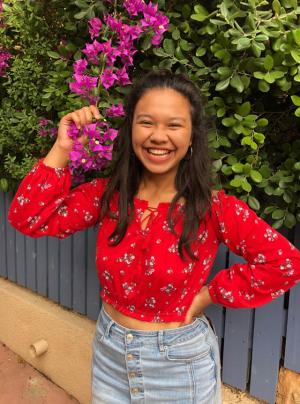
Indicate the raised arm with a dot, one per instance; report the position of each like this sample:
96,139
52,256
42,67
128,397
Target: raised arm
44,204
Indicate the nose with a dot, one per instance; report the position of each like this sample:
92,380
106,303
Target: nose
159,135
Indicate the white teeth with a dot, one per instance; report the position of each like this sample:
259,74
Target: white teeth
158,152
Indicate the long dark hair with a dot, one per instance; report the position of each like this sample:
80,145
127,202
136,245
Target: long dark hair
193,179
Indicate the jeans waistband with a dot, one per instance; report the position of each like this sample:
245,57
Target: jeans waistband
110,326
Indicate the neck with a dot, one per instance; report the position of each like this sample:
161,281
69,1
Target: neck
157,185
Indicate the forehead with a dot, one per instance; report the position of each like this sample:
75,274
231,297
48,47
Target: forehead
163,102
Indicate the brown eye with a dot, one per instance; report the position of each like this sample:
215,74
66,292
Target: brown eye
146,123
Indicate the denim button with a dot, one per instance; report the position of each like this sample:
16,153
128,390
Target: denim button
129,337
134,390
130,356
132,374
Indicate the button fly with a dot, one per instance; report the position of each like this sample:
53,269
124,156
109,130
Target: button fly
129,337
132,374
130,356
134,390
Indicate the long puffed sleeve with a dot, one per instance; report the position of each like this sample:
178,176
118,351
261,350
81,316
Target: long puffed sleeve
44,204
273,263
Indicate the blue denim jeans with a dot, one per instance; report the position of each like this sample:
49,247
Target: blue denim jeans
179,365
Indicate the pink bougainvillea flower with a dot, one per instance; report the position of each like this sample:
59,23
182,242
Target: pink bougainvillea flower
80,66
115,111
108,78
83,84
134,7
4,57
95,25
122,77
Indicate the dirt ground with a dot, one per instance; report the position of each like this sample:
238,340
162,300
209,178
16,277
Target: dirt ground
20,383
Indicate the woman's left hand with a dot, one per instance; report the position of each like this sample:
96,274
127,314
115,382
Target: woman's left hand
199,303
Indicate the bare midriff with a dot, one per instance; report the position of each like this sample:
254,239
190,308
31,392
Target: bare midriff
134,323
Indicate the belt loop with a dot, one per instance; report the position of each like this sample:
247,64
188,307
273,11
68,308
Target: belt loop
161,340
106,333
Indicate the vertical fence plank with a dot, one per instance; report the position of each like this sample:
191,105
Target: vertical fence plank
237,340
216,312
42,265
53,268
21,258
31,280
3,241
266,349
79,272
10,243
93,302
292,347
65,271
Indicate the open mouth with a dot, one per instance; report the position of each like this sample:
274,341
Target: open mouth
158,152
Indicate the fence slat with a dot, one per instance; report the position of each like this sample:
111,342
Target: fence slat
10,243
266,349
65,271
79,272
93,302
31,263
3,241
53,268
292,348
21,258
237,340
42,265
216,312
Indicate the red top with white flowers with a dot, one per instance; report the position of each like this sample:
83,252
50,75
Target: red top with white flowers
144,276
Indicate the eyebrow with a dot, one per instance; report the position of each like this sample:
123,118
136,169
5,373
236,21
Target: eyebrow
172,118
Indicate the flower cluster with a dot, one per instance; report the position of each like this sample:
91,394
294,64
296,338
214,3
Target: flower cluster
47,128
4,54
106,64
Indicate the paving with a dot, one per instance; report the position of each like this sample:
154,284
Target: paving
20,383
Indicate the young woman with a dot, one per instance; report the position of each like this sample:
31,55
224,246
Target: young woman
160,225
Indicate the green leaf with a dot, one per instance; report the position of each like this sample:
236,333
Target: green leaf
201,12
260,137
253,202
296,100
244,109
224,71
278,214
53,55
236,182
297,112
237,83
243,43
200,52
230,121
259,75
222,85
277,224
176,34
296,35
290,220
237,168
262,122
169,46
268,62
276,6
246,186
81,14
263,86
4,184
297,166
256,176
296,55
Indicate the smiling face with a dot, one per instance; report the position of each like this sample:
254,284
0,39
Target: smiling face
161,130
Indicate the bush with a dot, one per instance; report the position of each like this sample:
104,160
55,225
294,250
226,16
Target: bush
244,56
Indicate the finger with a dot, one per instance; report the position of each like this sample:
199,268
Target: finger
75,118
95,111
81,114
88,115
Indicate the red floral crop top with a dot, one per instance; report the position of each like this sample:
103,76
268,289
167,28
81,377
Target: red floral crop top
144,276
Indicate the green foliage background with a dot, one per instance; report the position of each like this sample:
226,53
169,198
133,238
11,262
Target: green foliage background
244,56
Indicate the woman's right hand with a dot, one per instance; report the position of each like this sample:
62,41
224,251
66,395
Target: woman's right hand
80,117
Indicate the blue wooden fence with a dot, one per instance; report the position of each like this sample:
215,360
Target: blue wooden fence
254,343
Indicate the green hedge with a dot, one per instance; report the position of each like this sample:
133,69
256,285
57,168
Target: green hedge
244,56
